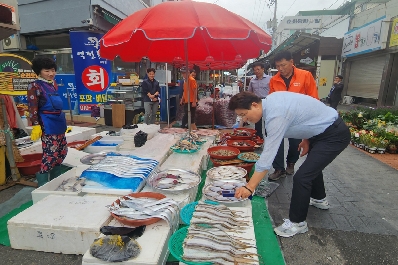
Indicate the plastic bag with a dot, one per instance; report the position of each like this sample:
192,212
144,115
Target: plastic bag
95,111
224,116
266,188
204,112
115,248
132,232
140,138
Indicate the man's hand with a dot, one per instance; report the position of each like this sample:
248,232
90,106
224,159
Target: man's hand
242,193
304,147
181,101
193,105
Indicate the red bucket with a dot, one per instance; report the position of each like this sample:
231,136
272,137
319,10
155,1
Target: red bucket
31,164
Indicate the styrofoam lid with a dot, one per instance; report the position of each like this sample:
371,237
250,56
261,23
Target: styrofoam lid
66,212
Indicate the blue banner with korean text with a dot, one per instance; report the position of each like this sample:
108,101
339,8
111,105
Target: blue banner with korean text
92,73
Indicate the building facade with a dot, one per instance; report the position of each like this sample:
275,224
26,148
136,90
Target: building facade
370,55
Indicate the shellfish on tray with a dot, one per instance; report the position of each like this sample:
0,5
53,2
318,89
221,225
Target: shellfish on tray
224,173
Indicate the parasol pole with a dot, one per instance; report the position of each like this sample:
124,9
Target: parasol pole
188,86
167,100
214,94
244,82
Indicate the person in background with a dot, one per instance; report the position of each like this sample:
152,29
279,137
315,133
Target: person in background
240,86
324,136
289,78
335,92
259,85
193,95
48,120
151,91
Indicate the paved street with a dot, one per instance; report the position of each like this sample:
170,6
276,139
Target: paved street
361,227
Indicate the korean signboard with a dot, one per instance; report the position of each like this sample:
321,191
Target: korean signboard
91,71
15,73
394,33
364,39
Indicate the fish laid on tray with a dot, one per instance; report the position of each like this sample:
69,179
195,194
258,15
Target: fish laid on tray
174,179
212,243
214,190
226,173
218,216
145,208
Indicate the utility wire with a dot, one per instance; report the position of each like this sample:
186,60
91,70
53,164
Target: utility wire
288,9
262,12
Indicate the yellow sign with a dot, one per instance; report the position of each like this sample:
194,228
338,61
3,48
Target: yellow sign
15,74
394,33
323,81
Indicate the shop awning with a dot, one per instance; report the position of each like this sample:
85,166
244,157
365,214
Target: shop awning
294,43
8,18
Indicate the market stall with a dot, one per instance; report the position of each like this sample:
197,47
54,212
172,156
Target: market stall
152,184
181,157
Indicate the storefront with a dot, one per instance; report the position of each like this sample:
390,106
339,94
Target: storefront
389,94
366,61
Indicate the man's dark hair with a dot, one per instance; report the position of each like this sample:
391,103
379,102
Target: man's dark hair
40,63
192,71
150,70
243,100
340,76
283,55
258,64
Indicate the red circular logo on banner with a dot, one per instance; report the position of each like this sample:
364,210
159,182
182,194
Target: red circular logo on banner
95,78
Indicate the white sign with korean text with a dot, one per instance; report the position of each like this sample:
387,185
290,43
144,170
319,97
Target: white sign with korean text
364,39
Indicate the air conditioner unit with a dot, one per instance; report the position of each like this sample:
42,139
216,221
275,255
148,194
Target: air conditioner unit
14,42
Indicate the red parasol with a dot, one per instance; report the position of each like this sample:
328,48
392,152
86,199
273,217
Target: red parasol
159,33
191,31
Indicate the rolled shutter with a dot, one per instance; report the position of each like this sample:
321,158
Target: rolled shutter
365,77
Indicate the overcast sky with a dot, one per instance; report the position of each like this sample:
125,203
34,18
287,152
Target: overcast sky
258,12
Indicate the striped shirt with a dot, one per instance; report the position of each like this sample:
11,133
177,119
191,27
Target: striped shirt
291,115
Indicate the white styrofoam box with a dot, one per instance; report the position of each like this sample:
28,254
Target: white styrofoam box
73,157
157,148
50,187
60,224
96,149
192,162
151,130
77,134
154,246
112,138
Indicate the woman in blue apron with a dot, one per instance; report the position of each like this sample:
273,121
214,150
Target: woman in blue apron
48,120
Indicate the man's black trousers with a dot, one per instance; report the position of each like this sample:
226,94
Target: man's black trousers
308,180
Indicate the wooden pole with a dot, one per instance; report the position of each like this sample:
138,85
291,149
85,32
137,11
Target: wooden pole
10,154
2,165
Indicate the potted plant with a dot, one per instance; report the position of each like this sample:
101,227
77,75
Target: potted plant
381,145
372,143
392,148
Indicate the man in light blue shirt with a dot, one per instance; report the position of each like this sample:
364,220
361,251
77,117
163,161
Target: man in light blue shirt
324,136
259,85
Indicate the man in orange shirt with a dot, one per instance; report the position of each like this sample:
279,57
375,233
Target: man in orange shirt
193,94
289,78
